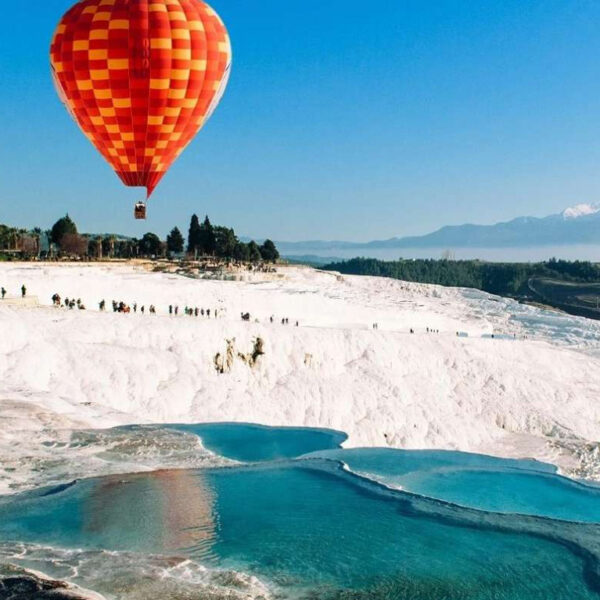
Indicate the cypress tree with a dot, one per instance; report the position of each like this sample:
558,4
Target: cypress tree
194,235
208,242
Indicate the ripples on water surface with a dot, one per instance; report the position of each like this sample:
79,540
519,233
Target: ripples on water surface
314,530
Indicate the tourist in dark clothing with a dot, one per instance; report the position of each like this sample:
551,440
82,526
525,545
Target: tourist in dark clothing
3,291
23,291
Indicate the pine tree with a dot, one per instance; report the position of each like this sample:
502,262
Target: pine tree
269,251
150,244
175,241
254,252
226,241
240,252
61,227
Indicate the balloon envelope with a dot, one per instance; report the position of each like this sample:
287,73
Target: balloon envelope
140,77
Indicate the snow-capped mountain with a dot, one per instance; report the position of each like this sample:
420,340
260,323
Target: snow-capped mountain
581,210
578,224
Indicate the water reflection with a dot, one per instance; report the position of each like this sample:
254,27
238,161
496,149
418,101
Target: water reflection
171,510
312,525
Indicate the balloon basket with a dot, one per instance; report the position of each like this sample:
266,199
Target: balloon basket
139,211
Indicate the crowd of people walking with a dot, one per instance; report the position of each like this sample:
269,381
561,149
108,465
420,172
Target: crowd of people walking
69,303
194,311
284,320
123,307
191,311
119,306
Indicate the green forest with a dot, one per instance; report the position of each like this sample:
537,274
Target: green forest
503,279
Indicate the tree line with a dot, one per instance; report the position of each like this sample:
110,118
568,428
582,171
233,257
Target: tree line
207,240
204,240
502,279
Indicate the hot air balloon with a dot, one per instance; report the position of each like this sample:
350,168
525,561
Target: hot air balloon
140,77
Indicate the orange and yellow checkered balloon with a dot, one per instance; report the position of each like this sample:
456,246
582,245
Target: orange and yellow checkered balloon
141,77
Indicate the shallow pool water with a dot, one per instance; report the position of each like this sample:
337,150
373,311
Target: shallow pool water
254,443
310,529
301,526
483,482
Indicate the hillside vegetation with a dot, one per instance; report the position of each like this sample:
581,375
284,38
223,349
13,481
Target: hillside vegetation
568,285
495,278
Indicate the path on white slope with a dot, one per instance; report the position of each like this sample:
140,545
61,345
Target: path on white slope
63,369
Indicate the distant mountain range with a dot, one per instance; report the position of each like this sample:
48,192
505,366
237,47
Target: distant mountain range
576,225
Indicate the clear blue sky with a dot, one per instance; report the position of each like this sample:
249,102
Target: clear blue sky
343,119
